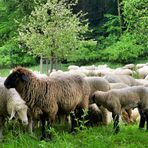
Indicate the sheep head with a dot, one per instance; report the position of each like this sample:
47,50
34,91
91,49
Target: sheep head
20,111
18,75
97,98
22,114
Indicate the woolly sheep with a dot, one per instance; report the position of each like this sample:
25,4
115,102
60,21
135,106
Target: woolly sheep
142,81
61,94
141,65
131,97
113,78
126,114
143,72
129,66
95,84
10,104
73,67
121,71
146,78
117,85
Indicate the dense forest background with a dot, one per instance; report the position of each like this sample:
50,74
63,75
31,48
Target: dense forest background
118,32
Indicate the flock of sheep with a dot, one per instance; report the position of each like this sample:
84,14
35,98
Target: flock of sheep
106,94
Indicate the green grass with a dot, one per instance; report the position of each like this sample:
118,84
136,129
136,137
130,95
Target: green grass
6,71
103,137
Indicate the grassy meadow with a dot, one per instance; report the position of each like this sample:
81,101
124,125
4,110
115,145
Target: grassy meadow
94,137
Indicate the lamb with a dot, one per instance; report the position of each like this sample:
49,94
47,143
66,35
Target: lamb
130,97
113,78
10,104
95,84
54,95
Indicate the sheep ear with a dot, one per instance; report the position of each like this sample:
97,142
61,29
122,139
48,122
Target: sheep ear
12,115
25,78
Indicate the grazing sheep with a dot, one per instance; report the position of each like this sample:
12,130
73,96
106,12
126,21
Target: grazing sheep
121,71
142,81
135,116
73,67
10,104
112,78
141,65
129,66
126,98
117,85
143,72
126,114
146,78
95,84
53,95
94,115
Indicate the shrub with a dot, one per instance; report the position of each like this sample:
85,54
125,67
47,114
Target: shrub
124,51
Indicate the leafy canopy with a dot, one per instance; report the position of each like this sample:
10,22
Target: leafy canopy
53,28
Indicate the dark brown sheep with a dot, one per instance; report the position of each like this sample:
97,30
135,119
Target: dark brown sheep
62,94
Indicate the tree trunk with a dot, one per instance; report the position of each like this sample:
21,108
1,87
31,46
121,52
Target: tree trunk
41,64
119,15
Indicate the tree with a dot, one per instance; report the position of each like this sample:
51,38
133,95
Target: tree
136,18
52,30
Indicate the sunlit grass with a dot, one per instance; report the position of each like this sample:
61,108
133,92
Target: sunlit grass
94,137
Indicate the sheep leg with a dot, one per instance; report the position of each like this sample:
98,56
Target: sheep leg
43,120
142,119
73,122
116,122
49,127
1,127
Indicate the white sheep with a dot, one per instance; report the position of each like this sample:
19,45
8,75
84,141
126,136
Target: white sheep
146,78
125,98
113,78
143,72
98,83
129,66
10,104
141,65
117,85
121,71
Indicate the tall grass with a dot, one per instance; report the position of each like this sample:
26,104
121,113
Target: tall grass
94,137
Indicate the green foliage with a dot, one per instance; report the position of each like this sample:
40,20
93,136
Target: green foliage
11,13
124,51
107,33
85,52
136,18
11,55
52,29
